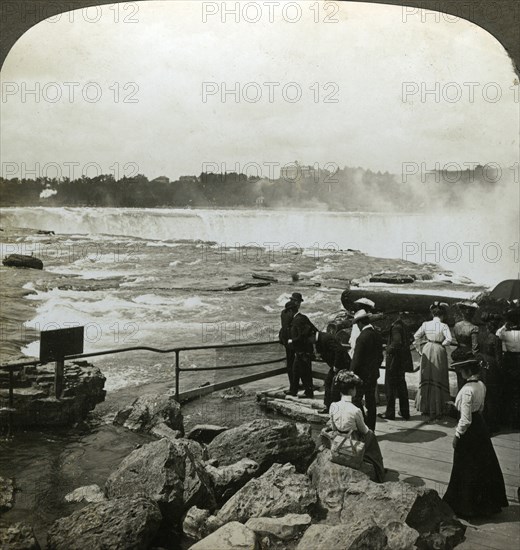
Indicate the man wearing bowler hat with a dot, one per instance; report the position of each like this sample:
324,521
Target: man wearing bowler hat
367,360
301,331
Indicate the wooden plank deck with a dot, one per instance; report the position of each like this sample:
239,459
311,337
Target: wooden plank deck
421,453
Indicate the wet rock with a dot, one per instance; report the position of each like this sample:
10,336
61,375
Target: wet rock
278,492
266,442
87,493
119,524
168,473
6,494
34,399
227,480
18,536
195,522
400,536
205,433
232,536
359,535
287,527
150,411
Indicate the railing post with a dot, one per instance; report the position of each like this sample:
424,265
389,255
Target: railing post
58,378
11,403
177,375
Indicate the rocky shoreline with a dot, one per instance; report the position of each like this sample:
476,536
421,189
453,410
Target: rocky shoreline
262,484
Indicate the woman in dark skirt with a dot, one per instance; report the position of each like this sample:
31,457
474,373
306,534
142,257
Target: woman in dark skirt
476,486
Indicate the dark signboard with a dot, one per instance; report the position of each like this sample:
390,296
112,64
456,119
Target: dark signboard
56,344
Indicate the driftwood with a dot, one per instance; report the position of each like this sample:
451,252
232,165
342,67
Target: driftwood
263,277
294,410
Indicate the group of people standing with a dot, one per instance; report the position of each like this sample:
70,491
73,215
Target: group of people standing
484,356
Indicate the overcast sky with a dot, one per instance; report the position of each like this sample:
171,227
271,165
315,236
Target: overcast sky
166,56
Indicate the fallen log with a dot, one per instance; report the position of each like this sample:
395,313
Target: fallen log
293,410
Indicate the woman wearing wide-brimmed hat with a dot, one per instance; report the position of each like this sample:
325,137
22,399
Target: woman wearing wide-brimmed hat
434,385
347,418
476,486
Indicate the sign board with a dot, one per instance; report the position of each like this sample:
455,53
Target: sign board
57,344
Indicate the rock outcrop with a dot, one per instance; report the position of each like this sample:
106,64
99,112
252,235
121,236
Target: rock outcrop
232,536
87,493
285,528
34,401
227,480
360,535
347,496
6,494
278,492
18,536
119,524
400,536
168,473
205,433
266,442
151,411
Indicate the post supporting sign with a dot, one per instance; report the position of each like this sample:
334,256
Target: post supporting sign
55,345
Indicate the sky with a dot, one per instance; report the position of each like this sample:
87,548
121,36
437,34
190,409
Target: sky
139,89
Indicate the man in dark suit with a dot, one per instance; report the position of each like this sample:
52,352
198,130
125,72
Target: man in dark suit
337,358
284,335
398,362
368,357
301,331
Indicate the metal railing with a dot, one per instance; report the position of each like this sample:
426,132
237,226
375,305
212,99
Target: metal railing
58,380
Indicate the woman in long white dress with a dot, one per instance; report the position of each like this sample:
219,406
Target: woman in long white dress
434,387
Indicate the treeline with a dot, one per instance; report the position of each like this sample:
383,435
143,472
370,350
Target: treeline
351,189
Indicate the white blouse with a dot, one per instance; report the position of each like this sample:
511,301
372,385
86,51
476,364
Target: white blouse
433,331
510,339
469,400
346,417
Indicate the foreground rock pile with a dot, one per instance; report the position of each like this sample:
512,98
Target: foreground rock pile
34,402
261,485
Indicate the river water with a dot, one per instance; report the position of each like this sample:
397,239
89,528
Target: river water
156,277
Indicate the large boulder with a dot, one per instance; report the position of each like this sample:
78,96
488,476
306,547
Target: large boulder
6,494
348,495
278,492
232,536
34,400
400,536
119,524
205,433
150,411
285,528
331,481
87,493
168,473
227,480
266,442
360,535
18,536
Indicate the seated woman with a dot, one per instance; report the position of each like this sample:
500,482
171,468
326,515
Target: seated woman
476,486
346,418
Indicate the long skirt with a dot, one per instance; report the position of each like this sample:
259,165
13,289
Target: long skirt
372,453
434,384
476,486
